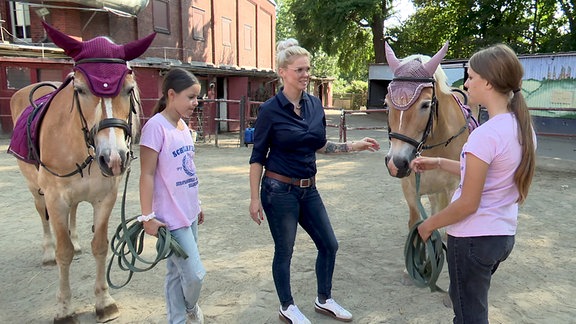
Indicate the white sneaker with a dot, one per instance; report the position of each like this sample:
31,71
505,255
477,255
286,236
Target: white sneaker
292,315
331,308
195,316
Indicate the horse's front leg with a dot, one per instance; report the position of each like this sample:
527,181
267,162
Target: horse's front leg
74,230
409,191
106,308
59,211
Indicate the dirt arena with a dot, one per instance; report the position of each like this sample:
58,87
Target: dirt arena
368,213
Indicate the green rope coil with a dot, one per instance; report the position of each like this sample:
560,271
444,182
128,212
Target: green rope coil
127,245
424,260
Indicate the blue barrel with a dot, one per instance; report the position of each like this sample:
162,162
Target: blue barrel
249,135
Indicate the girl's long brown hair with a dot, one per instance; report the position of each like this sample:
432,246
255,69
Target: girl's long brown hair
500,66
176,79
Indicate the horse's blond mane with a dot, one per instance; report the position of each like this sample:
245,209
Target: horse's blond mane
136,122
439,75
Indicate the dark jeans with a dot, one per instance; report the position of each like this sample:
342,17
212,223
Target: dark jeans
471,263
286,206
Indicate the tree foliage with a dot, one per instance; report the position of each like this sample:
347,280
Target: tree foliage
343,28
353,31
528,26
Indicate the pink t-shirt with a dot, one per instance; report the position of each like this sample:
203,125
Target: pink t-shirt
496,143
175,182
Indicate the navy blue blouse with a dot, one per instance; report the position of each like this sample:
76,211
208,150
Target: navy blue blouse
286,143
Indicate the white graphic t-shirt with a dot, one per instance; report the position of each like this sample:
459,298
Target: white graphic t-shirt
175,182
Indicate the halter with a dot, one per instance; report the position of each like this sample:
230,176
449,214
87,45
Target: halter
419,145
90,134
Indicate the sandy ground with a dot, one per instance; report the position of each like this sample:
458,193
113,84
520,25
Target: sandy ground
369,215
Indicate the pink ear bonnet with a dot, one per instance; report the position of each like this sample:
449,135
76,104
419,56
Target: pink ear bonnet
404,93
101,61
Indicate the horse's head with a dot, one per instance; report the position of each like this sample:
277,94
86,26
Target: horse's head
411,101
106,95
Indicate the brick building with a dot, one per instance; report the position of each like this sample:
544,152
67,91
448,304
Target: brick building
228,44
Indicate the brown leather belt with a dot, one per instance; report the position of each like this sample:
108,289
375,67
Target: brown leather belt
302,183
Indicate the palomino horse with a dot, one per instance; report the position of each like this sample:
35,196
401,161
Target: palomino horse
91,117
425,117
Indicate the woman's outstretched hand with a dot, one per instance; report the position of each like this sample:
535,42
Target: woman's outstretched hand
366,144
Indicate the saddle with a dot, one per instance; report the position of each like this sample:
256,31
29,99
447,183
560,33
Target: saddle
24,143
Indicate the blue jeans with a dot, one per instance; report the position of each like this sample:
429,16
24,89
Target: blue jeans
471,263
286,206
184,276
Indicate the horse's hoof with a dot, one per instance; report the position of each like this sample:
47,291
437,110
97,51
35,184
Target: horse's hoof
70,319
107,313
49,263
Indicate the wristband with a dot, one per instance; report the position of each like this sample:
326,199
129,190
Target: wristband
145,218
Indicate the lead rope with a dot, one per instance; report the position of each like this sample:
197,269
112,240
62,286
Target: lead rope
127,245
424,260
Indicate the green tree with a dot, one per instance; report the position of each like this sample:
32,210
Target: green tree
528,26
347,29
284,19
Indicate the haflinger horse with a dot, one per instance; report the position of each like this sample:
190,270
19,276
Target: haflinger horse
425,117
90,119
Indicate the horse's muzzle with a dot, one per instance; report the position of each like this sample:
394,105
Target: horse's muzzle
398,167
113,163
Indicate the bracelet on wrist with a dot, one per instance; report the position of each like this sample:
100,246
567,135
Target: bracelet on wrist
145,218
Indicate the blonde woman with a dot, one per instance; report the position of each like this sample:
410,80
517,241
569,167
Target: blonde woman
289,131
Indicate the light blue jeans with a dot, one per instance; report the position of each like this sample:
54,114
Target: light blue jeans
184,276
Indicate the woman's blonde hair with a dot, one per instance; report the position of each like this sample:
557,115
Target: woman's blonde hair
287,50
500,66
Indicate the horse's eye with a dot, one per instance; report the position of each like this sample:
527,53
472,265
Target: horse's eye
79,90
425,105
129,90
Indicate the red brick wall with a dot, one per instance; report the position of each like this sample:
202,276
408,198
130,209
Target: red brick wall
225,54
247,45
150,85
266,37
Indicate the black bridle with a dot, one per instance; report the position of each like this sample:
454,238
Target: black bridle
89,134
420,145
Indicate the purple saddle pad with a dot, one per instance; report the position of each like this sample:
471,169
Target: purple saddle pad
24,141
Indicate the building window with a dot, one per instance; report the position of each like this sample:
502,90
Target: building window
226,32
49,75
248,37
20,21
198,20
160,15
17,77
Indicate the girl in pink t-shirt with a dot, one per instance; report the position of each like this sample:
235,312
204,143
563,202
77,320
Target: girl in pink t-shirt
496,169
169,191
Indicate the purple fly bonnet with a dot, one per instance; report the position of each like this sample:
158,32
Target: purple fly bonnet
101,61
403,93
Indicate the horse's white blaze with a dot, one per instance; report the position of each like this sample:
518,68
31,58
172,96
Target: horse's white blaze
400,123
110,114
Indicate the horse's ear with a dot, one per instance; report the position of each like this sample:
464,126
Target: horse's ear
70,46
432,65
136,48
393,62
